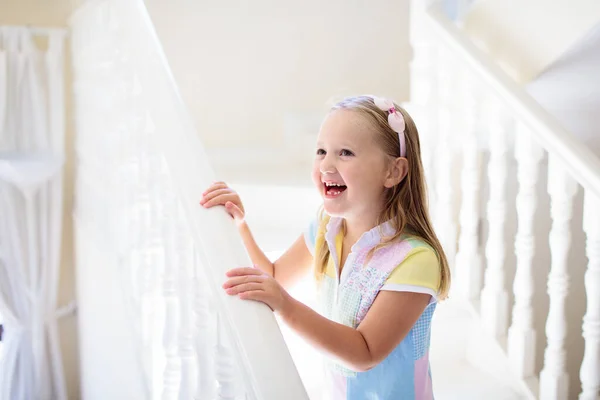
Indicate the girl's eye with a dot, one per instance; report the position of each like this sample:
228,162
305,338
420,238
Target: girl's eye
346,153
320,152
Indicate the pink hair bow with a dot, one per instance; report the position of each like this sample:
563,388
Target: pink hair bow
395,119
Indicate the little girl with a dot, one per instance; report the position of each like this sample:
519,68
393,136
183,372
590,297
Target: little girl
379,265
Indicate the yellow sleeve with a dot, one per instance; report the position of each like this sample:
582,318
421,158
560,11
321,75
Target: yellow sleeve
419,272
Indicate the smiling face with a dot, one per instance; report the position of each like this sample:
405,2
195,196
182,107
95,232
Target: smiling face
350,170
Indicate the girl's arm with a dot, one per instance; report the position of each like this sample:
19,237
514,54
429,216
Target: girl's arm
289,268
389,320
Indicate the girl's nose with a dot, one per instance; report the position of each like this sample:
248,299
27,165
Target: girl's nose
327,167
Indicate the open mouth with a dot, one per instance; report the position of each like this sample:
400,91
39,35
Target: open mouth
333,189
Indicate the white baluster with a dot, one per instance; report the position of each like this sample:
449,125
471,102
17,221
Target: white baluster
226,371
206,387
494,297
423,92
171,370
468,259
554,380
149,264
171,324
186,343
590,367
444,211
521,335
147,305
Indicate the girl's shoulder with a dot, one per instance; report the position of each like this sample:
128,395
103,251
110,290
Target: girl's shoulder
415,242
416,265
405,245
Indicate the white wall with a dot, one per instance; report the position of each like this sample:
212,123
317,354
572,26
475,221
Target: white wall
252,71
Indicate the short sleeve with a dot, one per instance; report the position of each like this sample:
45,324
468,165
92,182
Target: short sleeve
419,273
310,235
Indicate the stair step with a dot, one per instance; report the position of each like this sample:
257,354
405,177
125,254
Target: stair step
453,376
461,381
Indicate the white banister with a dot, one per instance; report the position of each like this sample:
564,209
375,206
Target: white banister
225,367
571,164
187,386
521,335
494,298
171,372
579,161
146,251
147,310
468,258
554,380
590,367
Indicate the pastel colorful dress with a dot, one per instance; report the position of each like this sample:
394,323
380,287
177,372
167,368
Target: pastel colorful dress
407,265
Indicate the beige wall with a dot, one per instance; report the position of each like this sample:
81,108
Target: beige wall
54,13
35,12
244,68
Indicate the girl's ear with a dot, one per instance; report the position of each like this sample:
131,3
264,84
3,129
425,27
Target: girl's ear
397,172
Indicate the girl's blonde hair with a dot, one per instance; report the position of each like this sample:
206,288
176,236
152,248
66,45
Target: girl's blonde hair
406,205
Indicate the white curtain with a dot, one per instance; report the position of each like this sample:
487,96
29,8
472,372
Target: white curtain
31,159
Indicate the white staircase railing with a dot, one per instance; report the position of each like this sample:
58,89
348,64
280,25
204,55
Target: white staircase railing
468,110
141,173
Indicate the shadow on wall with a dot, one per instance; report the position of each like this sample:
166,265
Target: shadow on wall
570,89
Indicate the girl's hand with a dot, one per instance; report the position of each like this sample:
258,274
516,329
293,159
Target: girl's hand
254,284
219,194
